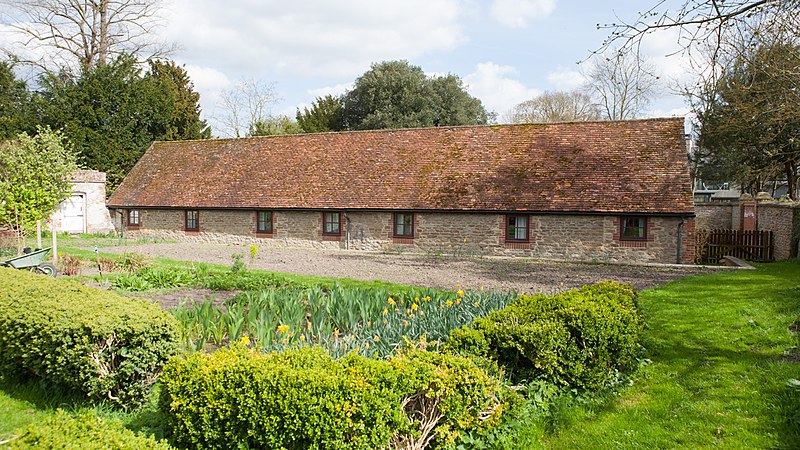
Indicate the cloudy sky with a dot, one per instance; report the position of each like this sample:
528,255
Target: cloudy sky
506,51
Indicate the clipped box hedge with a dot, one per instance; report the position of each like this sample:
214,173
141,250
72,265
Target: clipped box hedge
582,338
93,341
84,431
305,399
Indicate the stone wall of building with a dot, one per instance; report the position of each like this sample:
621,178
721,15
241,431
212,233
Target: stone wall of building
561,237
88,193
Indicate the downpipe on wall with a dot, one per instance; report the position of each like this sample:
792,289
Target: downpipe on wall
347,239
680,239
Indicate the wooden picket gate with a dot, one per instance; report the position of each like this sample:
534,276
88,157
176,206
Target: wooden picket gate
750,245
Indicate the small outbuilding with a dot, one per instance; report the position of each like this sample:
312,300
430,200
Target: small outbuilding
589,191
84,211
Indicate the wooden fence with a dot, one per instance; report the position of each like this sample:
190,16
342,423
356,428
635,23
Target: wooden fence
756,246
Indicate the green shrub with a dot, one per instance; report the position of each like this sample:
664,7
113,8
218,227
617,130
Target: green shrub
82,432
306,399
582,338
97,342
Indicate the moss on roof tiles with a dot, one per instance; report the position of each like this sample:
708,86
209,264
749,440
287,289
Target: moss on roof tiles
467,167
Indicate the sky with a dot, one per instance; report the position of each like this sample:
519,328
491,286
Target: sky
505,51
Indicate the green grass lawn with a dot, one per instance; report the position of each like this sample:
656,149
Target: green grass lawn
722,356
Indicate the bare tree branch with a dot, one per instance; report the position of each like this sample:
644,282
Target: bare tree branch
79,34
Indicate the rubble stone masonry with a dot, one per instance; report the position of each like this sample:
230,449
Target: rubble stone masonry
553,236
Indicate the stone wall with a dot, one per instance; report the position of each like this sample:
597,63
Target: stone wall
88,187
561,237
717,216
783,218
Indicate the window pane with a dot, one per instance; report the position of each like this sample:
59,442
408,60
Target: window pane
331,223
633,227
517,228
404,224
265,221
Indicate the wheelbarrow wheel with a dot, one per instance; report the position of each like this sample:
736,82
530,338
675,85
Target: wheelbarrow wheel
47,268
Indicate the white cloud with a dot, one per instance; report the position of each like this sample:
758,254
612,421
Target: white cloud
495,86
336,90
566,79
517,13
314,37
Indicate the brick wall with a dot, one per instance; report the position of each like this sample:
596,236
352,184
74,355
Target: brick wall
563,237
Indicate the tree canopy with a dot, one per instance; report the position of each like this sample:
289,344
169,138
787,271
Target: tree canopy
556,106
34,177
396,94
15,107
750,122
325,114
113,112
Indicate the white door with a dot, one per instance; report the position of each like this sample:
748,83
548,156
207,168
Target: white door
75,214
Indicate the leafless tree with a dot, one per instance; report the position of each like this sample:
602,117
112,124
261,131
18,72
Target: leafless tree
704,22
79,34
245,105
556,106
622,83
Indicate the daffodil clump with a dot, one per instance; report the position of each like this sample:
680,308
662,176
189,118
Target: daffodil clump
368,321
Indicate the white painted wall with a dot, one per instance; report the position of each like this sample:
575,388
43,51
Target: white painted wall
85,210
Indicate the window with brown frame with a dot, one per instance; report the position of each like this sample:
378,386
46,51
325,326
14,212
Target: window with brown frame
133,218
517,228
632,228
331,225
403,225
264,222
192,222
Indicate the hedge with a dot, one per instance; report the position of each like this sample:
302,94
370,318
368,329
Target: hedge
82,432
582,338
97,342
304,398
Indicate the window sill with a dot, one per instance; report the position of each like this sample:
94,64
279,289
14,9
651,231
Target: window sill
192,232
518,245
402,240
632,243
264,235
331,237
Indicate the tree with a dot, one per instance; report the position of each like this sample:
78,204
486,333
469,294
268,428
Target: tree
34,177
556,106
750,123
326,114
79,34
706,21
622,84
14,104
395,94
113,112
184,122
246,104
274,125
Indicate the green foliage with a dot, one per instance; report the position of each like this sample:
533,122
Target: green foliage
326,114
749,119
34,177
370,321
84,431
184,122
238,263
113,112
395,94
305,399
274,125
581,338
15,109
92,341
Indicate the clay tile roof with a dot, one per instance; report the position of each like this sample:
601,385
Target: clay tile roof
637,166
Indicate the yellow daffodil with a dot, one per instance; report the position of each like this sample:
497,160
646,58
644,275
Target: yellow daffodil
391,301
302,338
377,339
385,311
245,340
414,306
449,303
405,323
283,328
460,293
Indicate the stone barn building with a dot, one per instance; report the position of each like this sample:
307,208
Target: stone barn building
590,191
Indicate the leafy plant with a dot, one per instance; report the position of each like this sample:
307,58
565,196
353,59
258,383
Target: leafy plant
238,263
70,265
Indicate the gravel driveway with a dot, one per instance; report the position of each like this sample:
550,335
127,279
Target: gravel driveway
444,272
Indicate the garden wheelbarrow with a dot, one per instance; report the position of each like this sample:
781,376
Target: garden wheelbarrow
34,261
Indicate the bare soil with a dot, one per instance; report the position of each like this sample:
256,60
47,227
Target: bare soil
442,272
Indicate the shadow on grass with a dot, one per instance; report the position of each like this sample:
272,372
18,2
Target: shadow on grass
45,397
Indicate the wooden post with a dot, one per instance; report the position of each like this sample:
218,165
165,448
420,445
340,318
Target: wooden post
55,244
38,234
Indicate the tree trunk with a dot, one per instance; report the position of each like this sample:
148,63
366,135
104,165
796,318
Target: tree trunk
102,50
791,179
